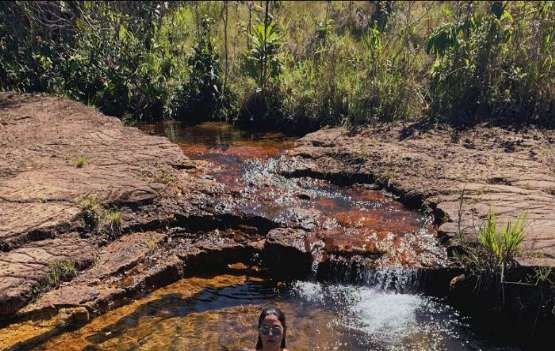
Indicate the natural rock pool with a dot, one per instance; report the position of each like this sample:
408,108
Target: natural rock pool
384,311
219,313
380,305
213,227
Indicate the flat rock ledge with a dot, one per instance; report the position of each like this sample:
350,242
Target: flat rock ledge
94,214
85,200
488,167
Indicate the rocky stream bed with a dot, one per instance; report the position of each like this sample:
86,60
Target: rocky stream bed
95,215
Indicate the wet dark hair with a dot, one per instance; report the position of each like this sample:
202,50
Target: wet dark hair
271,310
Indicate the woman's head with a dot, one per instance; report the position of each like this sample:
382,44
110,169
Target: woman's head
271,328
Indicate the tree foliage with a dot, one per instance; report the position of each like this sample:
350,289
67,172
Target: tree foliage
349,63
201,97
495,63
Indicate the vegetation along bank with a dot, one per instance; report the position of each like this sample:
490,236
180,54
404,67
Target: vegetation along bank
267,64
450,106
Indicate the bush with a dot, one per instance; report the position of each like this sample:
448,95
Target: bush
354,80
388,90
349,63
201,97
318,90
495,62
261,107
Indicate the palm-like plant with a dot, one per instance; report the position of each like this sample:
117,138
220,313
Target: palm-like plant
266,40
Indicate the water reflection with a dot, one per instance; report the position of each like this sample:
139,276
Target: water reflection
219,137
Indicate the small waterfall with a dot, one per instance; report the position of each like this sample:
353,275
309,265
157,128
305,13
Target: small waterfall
380,317
398,279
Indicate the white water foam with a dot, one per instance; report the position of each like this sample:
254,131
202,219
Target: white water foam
375,312
384,315
385,319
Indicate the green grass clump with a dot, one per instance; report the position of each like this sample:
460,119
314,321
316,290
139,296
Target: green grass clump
81,161
495,250
112,219
502,246
90,203
91,211
58,271
493,254
95,216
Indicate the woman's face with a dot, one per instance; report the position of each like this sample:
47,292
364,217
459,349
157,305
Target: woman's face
271,331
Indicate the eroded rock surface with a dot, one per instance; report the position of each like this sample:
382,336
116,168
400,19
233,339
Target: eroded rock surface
94,214
491,168
73,180
31,268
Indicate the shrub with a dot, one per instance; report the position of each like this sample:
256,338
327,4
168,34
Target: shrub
262,103
318,90
349,63
201,97
263,62
495,62
354,80
388,90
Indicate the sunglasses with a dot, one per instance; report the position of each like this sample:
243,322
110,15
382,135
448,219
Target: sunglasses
267,330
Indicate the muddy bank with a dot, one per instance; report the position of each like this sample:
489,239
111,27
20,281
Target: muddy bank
508,171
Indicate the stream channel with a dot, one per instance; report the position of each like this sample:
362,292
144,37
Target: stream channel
384,310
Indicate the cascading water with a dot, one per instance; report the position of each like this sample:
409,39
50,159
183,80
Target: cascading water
377,306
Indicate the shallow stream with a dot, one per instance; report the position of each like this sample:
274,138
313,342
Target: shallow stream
219,312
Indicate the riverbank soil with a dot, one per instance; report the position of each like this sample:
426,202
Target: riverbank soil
491,168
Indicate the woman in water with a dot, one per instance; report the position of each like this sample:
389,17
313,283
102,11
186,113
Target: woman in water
271,330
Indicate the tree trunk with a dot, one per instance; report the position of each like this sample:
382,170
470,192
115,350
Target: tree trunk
226,70
265,52
249,27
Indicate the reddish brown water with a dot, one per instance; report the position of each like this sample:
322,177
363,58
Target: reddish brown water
356,218
220,313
